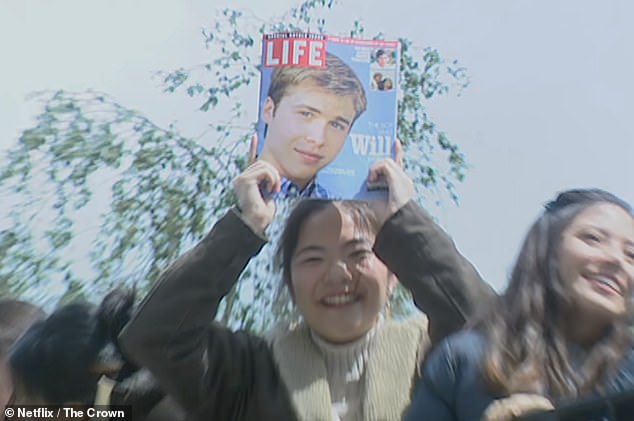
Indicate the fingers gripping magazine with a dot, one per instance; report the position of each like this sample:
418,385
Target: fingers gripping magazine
327,111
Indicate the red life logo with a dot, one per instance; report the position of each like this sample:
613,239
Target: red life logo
300,52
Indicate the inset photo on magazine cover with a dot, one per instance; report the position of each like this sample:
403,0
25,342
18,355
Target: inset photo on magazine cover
383,69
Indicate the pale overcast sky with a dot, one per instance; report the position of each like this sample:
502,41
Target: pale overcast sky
548,106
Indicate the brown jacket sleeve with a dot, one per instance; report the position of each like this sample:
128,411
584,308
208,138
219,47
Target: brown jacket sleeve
445,285
212,372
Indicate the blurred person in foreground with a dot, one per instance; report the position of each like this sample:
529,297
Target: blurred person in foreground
15,317
72,358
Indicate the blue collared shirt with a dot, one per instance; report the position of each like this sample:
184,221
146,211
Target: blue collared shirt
312,190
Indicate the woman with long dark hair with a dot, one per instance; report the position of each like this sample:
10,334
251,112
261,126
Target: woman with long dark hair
561,330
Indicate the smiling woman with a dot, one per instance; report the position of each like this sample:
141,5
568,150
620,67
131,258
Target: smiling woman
336,280
341,260
561,330
595,266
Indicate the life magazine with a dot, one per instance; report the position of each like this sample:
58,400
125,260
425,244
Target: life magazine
327,111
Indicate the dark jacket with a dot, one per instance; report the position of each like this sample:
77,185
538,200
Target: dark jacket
451,387
217,374
146,400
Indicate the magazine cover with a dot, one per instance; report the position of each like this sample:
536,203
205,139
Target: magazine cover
327,111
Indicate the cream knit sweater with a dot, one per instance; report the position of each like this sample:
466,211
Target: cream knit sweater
370,379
